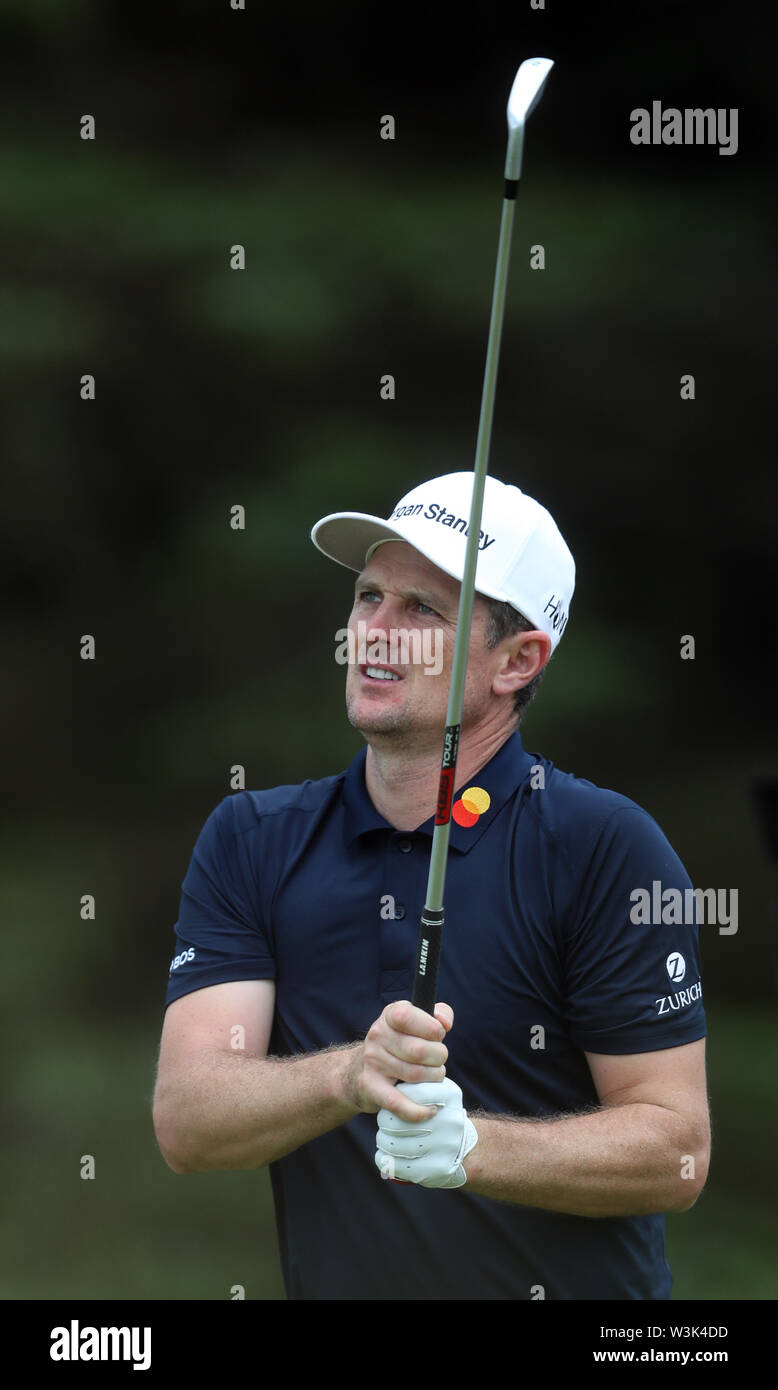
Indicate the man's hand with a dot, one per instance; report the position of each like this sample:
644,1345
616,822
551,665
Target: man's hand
404,1044
431,1153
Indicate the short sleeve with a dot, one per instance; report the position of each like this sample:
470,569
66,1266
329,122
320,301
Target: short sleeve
220,933
632,959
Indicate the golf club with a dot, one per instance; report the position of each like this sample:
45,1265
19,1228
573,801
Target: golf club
525,93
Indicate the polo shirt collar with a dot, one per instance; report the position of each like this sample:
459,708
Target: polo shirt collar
500,779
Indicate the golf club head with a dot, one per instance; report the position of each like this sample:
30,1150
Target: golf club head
525,95
526,89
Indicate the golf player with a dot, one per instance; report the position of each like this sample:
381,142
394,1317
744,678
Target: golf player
555,1107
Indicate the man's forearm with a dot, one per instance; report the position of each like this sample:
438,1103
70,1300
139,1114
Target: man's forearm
214,1108
235,1111
624,1160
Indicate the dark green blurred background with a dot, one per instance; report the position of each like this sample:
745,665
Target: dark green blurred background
216,387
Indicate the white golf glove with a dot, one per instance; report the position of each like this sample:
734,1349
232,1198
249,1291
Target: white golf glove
429,1153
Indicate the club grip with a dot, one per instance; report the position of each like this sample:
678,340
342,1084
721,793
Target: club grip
425,982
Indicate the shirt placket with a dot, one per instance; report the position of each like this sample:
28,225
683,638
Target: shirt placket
398,926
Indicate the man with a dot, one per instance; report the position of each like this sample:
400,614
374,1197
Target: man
583,1110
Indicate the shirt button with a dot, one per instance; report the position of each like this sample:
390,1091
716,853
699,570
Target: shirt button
399,911
404,846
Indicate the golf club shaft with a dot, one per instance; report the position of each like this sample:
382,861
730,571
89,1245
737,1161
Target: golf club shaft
430,937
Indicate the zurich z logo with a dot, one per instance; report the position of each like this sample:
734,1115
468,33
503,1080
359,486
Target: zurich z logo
676,967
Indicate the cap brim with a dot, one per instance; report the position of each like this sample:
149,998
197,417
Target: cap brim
347,536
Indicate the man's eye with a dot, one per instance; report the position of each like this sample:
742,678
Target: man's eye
366,594
429,610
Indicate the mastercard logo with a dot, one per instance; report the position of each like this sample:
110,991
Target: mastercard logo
471,804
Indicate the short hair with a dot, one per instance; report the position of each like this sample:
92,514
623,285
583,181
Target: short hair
503,620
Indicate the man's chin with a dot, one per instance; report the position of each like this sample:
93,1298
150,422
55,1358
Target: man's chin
370,719
385,721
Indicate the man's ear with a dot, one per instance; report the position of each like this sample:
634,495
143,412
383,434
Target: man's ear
521,658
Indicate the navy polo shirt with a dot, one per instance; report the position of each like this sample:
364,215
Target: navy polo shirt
545,956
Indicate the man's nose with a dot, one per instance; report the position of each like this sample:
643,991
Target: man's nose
382,620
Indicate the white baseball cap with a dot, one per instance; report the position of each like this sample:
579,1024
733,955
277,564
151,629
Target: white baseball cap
522,557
